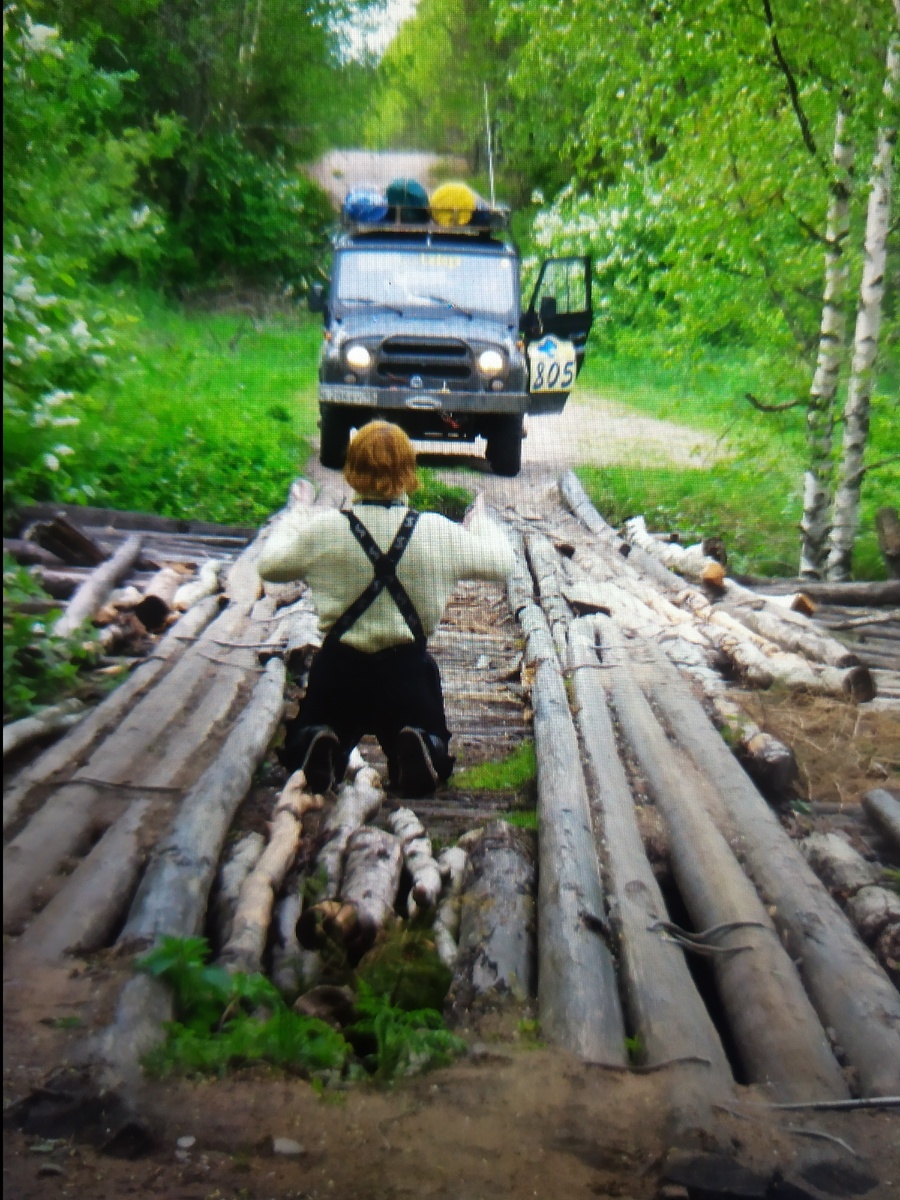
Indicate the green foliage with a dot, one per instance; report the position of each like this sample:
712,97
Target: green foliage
435,495
404,967
406,1042
227,1020
38,668
524,819
515,771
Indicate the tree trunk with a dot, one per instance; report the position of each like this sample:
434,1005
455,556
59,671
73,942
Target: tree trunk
47,721
92,594
206,584
690,561
779,1038
865,342
884,811
357,801
887,524
418,860
158,599
820,409
495,959
66,541
452,864
244,856
371,879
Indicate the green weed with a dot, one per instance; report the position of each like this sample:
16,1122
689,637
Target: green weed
525,819
435,495
515,771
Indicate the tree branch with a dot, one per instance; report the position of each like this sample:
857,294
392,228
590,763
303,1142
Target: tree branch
791,82
772,408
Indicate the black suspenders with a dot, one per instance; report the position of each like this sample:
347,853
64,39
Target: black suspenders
385,565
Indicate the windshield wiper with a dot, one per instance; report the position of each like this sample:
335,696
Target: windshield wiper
443,300
368,300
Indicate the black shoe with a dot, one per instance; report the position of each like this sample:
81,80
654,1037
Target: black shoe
319,761
416,772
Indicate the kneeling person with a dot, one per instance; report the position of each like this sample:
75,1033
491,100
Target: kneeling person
380,574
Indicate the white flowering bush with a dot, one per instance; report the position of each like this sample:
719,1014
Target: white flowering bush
71,210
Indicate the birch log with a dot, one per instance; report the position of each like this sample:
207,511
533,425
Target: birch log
664,1007
295,969
93,593
779,1038
577,996
158,599
78,743
837,864
690,561
253,913
820,408
53,719
495,960
206,584
865,1017
418,860
357,801
244,856
371,879
452,864
851,468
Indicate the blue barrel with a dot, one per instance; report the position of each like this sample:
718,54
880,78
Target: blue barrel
365,205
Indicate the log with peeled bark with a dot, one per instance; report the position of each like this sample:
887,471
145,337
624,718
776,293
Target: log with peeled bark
873,910
452,865
788,629
253,913
690,561
778,1035
883,810
370,883
417,859
577,995
206,584
837,864
78,743
357,801
295,969
664,1008
158,599
242,858
495,962
173,894
47,721
817,934
92,594
543,558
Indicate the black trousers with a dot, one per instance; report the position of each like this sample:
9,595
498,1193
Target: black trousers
355,693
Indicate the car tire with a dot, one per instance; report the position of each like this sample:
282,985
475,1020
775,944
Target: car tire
334,427
504,445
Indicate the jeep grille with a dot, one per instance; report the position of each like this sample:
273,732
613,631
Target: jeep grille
434,360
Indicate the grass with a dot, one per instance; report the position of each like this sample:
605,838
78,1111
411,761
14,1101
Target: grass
506,775
752,497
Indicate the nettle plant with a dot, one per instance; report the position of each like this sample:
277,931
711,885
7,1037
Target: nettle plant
72,209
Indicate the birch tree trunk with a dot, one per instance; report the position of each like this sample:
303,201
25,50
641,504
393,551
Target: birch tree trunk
814,525
865,343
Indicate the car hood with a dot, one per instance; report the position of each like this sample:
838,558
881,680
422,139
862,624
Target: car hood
441,323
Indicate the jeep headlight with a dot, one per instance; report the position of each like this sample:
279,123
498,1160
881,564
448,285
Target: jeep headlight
358,357
490,362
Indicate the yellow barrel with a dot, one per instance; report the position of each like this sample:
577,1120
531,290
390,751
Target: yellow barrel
453,204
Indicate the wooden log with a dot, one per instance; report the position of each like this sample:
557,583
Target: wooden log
94,591
452,865
791,631
78,743
417,859
887,526
873,910
817,934
357,802
243,857
173,893
837,864
206,584
250,926
84,914
158,598
690,561
883,810
777,1033
543,560
111,519
66,540
577,996
29,554
295,969
876,594
371,879
495,962
663,1005
44,723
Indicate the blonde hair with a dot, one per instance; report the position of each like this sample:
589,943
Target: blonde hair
381,461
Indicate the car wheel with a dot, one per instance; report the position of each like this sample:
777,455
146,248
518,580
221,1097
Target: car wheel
334,426
504,445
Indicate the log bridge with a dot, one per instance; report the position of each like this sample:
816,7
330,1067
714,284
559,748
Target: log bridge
661,920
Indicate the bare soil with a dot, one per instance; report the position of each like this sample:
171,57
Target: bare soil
514,1119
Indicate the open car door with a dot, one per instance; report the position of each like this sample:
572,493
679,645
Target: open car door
555,326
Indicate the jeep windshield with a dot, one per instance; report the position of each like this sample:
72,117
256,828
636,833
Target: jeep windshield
427,281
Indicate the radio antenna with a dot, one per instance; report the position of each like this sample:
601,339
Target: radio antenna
490,147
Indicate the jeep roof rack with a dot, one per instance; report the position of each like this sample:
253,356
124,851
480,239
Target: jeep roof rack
407,219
